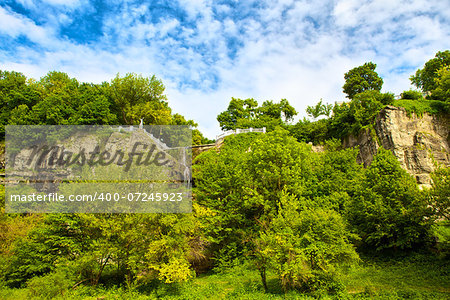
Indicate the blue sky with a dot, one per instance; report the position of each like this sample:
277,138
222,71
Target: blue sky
206,52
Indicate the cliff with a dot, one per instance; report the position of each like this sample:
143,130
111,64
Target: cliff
418,142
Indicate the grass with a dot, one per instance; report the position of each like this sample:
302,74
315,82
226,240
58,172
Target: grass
421,106
418,275
415,276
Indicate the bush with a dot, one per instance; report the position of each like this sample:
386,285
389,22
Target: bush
412,95
50,285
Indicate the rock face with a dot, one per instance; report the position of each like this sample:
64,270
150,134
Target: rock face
418,142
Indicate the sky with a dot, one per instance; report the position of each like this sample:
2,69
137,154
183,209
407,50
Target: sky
206,52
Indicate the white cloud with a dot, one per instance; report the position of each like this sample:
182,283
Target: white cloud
15,25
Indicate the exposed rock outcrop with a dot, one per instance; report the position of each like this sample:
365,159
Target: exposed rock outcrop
418,142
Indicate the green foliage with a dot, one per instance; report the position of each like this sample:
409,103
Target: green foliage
237,109
361,79
15,92
441,231
342,120
138,97
365,107
246,113
412,95
150,244
277,162
51,285
419,107
304,247
319,109
425,78
348,118
439,195
219,185
58,99
58,237
336,176
315,132
360,112
388,210
244,182
442,91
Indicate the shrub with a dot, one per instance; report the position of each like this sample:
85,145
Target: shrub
412,95
51,285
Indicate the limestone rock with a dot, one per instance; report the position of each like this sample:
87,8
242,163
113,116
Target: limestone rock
418,142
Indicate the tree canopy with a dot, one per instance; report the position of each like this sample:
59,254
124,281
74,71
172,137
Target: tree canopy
58,99
362,78
246,113
425,78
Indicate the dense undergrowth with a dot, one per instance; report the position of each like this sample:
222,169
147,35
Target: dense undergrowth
412,276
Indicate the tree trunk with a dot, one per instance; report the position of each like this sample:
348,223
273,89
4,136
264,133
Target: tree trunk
101,270
262,272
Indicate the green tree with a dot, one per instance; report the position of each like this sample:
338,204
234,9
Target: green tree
237,109
304,247
336,176
315,132
247,113
360,112
277,162
342,120
365,107
157,245
412,95
425,78
388,210
138,97
60,100
362,78
282,110
16,93
93,107
442,81
319,109
221,181
439,195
